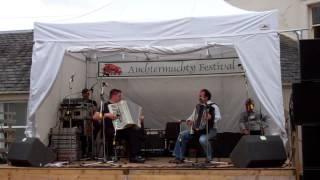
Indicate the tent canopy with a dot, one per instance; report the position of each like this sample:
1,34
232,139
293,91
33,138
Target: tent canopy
159,27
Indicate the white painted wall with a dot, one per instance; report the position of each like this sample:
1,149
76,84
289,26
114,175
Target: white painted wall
293,14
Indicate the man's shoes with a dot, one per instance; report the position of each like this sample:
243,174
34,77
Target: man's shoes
177,161
137,159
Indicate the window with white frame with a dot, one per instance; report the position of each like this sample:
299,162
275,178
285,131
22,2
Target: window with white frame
19,110
315,20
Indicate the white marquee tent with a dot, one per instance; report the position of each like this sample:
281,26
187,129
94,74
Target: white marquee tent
163,31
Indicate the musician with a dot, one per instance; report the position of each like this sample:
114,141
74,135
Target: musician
86,98
86,127
252,122
131,134
206,114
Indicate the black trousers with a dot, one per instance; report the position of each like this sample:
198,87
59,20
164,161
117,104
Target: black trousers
133,135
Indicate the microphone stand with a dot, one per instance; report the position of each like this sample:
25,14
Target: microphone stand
115,158
204,117
104,160
103,123
261,123
69,105
180,138
207,132
192,131
69,101
91,112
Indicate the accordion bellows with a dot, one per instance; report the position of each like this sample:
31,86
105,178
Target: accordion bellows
128,114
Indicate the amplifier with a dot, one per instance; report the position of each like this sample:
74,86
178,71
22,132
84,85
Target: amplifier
75,113
154,142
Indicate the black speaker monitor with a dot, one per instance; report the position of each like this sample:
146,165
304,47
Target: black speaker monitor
259,151
311,174
310,59
30,152
310,147
172,130
305,96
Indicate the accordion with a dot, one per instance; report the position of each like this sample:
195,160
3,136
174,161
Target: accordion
128,114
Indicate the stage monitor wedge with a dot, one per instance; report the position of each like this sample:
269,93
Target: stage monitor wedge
30,152
259,151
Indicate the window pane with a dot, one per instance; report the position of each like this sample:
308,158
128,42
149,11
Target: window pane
21,112
1,113
316,15
316,31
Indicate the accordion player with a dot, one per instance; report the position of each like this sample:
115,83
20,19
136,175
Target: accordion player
122,119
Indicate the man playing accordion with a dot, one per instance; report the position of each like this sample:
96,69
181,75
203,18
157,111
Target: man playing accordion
202,123
132,134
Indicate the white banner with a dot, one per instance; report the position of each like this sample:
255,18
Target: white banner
170,68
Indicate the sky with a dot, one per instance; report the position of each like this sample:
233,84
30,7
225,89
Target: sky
21,14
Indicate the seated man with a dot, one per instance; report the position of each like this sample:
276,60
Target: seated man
204,116
252,122
131,134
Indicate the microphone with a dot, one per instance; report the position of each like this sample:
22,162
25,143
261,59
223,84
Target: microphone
72,78
105,84
91,88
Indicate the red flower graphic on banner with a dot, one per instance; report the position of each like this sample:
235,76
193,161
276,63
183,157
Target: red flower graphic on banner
111,69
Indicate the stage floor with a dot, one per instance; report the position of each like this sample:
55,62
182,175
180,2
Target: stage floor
153,168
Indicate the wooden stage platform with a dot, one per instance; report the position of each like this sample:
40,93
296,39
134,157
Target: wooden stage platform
154,169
